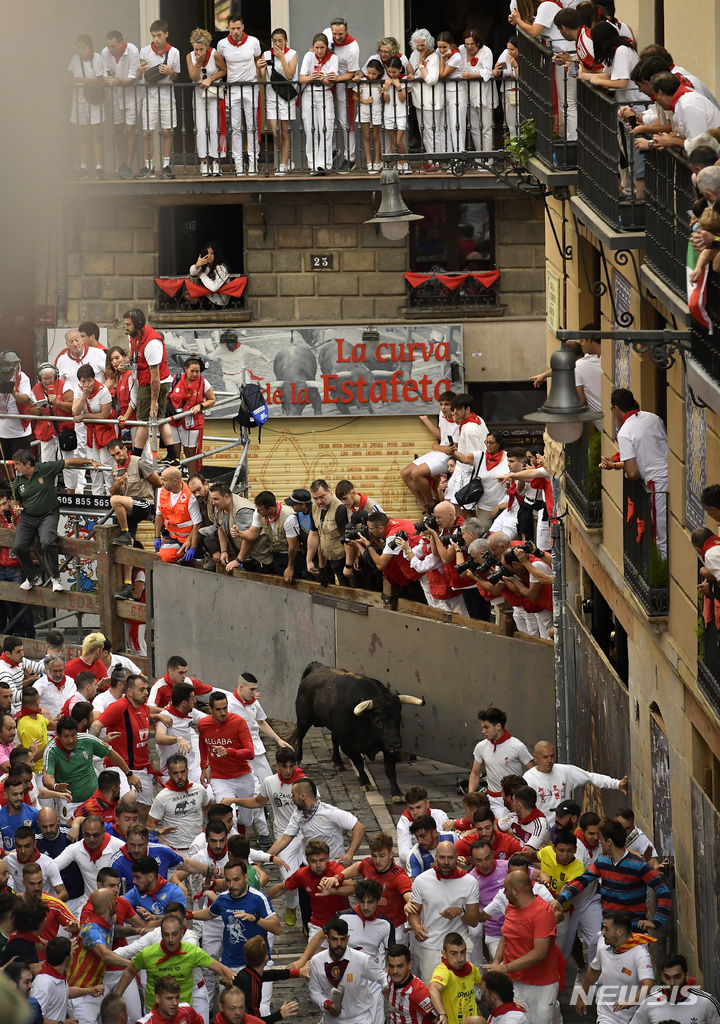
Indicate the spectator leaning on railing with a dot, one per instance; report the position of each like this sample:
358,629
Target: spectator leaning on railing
690,112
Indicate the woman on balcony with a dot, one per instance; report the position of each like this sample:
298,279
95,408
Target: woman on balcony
317,76
453,128
206,67
86,71
279,68
191,393
212,272
119,380
423,71
506,72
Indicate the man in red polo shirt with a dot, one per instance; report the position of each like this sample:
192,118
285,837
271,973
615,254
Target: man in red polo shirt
177,672
149,359
324,903
226,746
167,1008
380,867
527,952
130,717
104,800
504,845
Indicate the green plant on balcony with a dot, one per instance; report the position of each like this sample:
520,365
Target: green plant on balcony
521,146
594,471
658,569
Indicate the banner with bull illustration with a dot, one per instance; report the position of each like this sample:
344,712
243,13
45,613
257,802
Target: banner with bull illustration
330,371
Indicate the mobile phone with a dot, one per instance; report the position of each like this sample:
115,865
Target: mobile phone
632,121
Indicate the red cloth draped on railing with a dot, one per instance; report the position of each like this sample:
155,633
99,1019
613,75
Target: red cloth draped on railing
486,278
234,286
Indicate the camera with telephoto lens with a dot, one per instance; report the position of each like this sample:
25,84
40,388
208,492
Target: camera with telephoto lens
392,541
469,566
501,574
353,533
457,537
428,523
483,567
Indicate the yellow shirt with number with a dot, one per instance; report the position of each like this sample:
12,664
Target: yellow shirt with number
458,994
559,874
31,728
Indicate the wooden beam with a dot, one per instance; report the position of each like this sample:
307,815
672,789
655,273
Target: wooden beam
107,578
66,545
138,558
131,611
46,598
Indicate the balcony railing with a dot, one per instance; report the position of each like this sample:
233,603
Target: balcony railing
706,345
454,290
548,97
322,129
645,546
583,485
709,647
186,294
606,160
668,198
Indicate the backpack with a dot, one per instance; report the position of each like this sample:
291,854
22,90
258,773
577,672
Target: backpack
253,410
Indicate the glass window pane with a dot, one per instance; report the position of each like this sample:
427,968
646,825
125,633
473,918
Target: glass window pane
430,236
475,235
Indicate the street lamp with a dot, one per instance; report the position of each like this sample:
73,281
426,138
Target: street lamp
562,412
393,216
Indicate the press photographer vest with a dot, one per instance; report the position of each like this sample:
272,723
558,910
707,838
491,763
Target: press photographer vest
134,486
331,543
274,532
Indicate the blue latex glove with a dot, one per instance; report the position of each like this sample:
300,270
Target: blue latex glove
158,543
189,555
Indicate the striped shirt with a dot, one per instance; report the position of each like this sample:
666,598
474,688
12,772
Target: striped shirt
409,1003
58,917
87,969
623,886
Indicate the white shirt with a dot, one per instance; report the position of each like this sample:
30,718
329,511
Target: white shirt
92,68
642,437
310,66
268,55
698,1008
498,904
501,759
280,797
348,54
154,60
359,1001
624,61
620,973
52,995
588,375
637,842
371,937
693,114
559,784
183,810
494,492
52,697
253,714
435,895
153,354
68,366
482,89
15,428
448,428
125,66
545,16
15,676
406,840
98,400
77,853
102,701
328,823
711,561
454,61
181,727
290,526
193,507
240,60
698,84
586,856
50,872
423,91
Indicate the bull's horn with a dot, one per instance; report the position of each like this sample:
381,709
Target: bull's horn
405,698
364,705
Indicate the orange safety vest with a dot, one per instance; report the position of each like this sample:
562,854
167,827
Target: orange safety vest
176,517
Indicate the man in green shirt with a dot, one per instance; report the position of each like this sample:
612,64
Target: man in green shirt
35,489
69,766
171,957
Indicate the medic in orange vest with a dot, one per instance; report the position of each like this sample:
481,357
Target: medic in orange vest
177,519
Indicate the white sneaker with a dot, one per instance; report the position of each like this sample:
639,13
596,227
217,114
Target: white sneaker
282,169
26,585
371,169
291,166
216,168
377,168
252,172
56,585
204,168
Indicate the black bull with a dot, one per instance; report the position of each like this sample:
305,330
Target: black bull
362,714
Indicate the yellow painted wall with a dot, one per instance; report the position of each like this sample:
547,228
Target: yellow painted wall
369,450
692,33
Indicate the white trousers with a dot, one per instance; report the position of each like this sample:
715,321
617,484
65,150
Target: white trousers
428,959
318,112
567,102
131,995
540,1001
86,1009
430,123
347,140
585,921
261,770
206,124
49,450
481,128
243,106
101,478
244,786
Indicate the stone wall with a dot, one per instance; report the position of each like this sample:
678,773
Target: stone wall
111,258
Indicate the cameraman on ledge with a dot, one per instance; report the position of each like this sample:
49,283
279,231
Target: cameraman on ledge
433,556
392,562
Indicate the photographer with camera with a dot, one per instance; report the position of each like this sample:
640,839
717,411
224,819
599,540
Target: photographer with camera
532,583
391,561
16,398
464,583
437,530
360,570
48,394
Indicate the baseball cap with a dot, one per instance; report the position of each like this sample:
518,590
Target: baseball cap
568,807
300,496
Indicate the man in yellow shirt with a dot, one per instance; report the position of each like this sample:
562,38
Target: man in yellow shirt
453,982
32,726
561,865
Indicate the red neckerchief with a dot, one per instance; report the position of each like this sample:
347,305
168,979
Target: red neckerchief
60,685
178,789
711,542
635,939
94,857
473,61
456,873
161,882
100,799
47,969
633,412
4,657
462,972
220,856
278,507
67,352
683,79
472,418
491,461
334,971
206,58
26,711
168,954
502,738
505,1008
159,53
94,918
454,51
297,774
117,59
243,40
346,41
323,60
174,711
532,816
682,91
67,753
513,494
678,989
36,856
27,936
362,917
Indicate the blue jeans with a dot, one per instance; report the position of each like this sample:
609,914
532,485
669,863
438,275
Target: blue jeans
24,625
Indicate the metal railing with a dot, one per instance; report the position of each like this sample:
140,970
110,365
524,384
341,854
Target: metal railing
669,196
583,485
709,649
644,538
433,293
705,346
548,98
171,296
246,128
606,160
